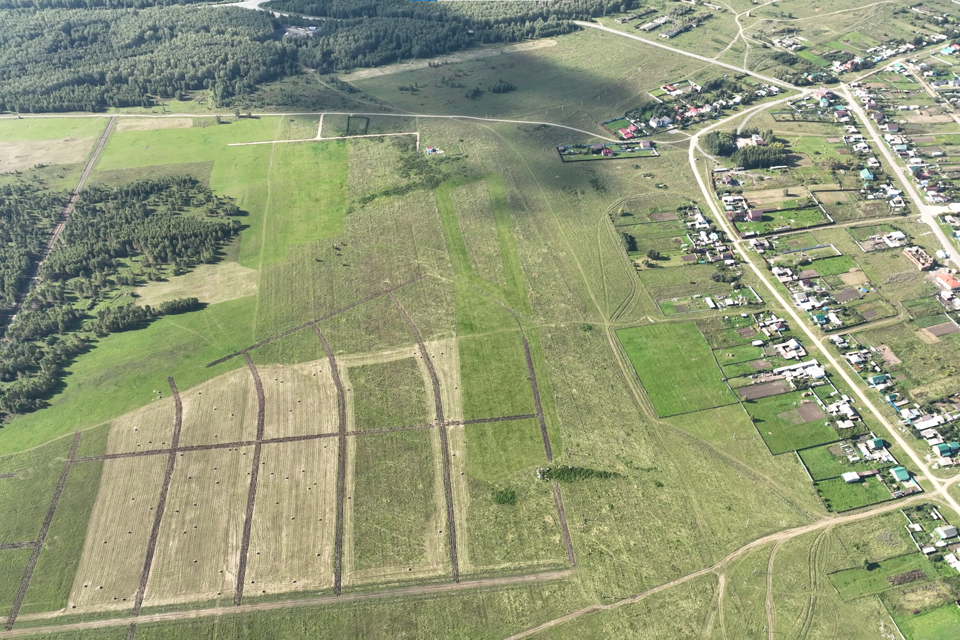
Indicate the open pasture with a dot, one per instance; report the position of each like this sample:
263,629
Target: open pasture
940,623
397,518
840,496
199,541
18,156
495,378
859,581
390,394
28,493
117,535
292,537
676,367
209,283
783,427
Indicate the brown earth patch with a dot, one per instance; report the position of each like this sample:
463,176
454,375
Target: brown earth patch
810,411
847,295
760,365
663,216
746,332
888,356
869,314
808,273
943,329
23,154
758,391
853,277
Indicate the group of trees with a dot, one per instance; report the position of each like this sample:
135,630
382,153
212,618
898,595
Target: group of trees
724,143
87,55
27,214
116,236
87,60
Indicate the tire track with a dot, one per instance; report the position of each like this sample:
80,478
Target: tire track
34,273
312,322
38,545
341,463
161,505
254,475
416,591
562,515
444,446
7,475
18,545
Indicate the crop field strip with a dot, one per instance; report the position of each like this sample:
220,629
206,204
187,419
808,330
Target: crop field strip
161,505
444,446
38,544
254,475
306,325
341,462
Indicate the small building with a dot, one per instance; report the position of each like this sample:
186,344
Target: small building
646,144
920,258
891,127
754,215
607,153
943,450
865,174
900,474
878,379
662,121
948,282
946,531
875,443
850,477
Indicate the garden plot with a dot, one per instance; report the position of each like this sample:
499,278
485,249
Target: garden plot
292,537
197,550
883,575
221,410
118,532
676,367
783,423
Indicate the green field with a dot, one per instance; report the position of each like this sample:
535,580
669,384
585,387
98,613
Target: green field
937,624
858,581
393,500
493,371
782,428
50,128
833,266
841,496
388,395
675,367
781,220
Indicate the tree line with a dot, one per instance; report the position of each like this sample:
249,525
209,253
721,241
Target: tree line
116,237
88,55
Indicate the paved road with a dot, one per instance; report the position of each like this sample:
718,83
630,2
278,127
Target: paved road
749,258
928,212
654,43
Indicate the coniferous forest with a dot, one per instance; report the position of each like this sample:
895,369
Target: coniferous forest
88,55
117,237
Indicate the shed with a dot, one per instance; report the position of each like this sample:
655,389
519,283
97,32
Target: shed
865,174
851,476
900,473
875,443
947,531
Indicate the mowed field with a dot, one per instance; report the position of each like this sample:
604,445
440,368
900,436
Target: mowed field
676,367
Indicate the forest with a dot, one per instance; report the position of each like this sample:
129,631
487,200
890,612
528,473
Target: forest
89,55
116,238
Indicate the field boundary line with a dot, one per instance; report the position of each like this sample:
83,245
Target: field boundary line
44,529
422,590
444,446
17,545
254,476
300,438
161,505
341,462
320,319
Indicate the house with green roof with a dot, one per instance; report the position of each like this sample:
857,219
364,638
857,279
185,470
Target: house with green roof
900,474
